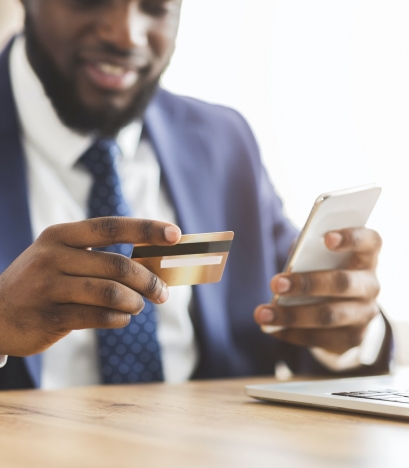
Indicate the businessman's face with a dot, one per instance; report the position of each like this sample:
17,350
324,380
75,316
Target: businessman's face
100,60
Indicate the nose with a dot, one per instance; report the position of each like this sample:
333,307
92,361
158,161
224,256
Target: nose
124,26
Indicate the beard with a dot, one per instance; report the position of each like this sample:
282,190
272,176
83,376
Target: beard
106,121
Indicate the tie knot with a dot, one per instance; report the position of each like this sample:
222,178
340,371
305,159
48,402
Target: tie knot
101,157
106,197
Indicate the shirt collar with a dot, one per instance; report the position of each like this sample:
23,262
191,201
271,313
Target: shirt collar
40,124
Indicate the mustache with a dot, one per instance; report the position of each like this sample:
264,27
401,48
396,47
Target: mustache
135,57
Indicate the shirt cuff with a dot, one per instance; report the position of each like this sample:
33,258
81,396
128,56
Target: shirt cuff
3,361
365,354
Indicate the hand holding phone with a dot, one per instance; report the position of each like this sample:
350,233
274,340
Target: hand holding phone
331,212
326,296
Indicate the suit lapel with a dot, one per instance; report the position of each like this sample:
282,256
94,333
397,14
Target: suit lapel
15,226
183,156
189,176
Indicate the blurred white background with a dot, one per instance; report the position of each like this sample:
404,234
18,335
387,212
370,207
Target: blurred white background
325,87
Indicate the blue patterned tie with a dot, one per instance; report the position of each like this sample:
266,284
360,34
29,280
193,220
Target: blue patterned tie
130,354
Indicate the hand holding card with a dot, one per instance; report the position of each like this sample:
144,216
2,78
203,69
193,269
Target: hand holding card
196,259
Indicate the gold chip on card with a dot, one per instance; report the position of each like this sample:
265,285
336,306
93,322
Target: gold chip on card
196,259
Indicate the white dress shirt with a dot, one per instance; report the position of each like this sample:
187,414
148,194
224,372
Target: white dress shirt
58,191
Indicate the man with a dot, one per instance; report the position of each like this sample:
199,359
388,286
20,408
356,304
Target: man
85,132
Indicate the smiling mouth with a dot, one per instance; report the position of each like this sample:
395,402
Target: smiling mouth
111,77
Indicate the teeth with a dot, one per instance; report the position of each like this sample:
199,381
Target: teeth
109,69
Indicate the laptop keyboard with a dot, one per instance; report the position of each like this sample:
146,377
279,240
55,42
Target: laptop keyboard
394,396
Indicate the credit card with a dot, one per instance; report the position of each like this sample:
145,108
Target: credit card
196,259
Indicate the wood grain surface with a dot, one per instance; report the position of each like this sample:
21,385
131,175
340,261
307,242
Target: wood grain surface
198,424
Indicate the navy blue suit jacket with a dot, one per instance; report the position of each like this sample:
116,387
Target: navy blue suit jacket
212,169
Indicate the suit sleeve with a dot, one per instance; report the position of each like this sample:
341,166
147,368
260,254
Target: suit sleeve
283,231
275,223
283,234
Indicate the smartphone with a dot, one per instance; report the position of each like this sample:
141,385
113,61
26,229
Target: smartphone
331,211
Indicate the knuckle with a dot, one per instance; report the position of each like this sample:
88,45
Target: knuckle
52,316
146,229
55,322
110,228
348,237
81,316
43,286
326,316
88,286
42,259
152,283
111,294
51,233
110,319
342,281
306,283
361,262
106,318
119,265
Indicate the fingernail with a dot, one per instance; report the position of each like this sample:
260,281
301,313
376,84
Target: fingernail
265,316
282,285
334,239
172,233
164,294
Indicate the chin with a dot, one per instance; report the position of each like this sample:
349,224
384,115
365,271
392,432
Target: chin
96,100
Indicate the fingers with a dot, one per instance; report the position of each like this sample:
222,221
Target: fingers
98,292
336,341
333,283
67,317
353,240
84,263
364,243
327,315
334,325
101,232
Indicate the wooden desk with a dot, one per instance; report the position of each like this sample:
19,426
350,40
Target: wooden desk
201,424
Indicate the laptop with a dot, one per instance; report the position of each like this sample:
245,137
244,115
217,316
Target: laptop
382,395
